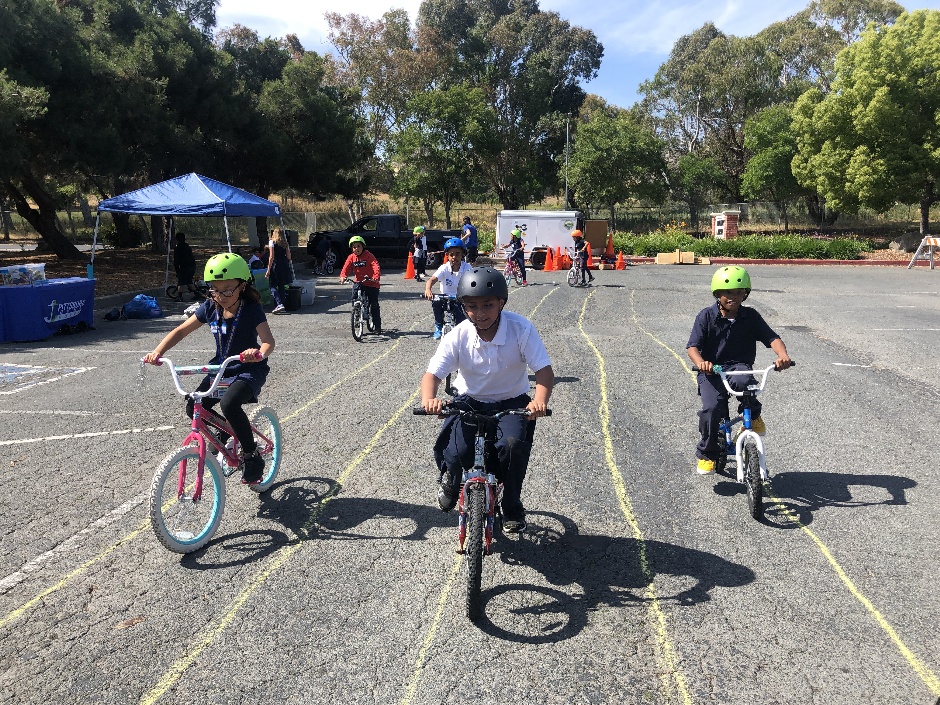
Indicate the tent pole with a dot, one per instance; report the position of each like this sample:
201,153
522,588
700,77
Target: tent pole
94,242
228,240
166,276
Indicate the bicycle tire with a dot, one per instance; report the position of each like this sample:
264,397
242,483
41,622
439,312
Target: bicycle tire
474,547
357,322
367,314
572,277
184,526
265,422
330,262
517,274
752,480
172,291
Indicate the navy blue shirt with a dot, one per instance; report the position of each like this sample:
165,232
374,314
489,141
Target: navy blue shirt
232,338
470,232
722,342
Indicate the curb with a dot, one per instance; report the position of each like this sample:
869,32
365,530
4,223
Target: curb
721,261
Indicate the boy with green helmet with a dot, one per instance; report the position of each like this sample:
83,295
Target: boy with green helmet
727,334
419,257
364,268
239,326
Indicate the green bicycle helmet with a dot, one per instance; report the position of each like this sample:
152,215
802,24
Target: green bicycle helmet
226,265
516,232
731,278
419,230
357,238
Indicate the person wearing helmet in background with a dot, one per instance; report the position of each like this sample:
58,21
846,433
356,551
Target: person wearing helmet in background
419,248
516,248
727,334
470,239
448,274
491,354
581,252
239,327
364,267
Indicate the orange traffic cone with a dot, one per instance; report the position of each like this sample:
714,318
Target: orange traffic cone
620,263
549,261
410,269
559,262
609,252
590,257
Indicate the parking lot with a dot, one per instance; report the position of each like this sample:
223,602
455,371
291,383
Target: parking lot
637,581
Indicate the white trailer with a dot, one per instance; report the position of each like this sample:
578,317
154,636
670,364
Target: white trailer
540,229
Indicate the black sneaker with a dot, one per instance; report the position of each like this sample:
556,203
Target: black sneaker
448,491
252,468
514,519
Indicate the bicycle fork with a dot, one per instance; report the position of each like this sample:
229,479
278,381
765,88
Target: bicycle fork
491,491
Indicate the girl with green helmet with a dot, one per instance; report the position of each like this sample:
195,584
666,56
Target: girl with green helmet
516,248
727,334
419,253
238,325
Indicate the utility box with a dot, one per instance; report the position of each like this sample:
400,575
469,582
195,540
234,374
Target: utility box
540,229
725,225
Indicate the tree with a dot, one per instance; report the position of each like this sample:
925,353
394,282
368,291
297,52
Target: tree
873,140
615,159
529,65
768,175
694,178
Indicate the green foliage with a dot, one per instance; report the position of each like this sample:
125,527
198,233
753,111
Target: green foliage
745,247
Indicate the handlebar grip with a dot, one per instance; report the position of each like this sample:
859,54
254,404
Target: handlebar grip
419,411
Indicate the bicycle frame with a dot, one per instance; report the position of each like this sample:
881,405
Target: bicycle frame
746,433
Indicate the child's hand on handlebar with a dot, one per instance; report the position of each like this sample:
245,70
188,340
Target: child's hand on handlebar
705,366
537,409
153,358
251,355
432,405
782,363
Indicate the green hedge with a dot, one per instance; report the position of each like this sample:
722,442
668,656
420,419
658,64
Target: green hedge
745,247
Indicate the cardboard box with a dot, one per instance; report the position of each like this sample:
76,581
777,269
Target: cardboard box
677,257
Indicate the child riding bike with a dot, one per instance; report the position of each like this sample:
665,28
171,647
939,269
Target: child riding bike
491,354
365,267
448,274
516,248
237,322
581,252
726,334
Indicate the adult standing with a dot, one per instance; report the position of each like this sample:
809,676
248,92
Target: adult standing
184,263
279,272
470,239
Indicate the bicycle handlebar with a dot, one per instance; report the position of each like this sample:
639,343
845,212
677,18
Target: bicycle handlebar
219,370
450,410
760,375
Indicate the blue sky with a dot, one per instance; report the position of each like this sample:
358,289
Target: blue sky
637,36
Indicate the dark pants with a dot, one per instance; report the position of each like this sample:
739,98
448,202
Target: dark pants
238,394
585,272
421,264
519,256
278,294
454,449
439,305
715,408
472,253
372,294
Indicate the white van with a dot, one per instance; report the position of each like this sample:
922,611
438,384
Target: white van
540,229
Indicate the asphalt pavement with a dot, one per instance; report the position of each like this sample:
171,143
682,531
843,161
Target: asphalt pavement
637,581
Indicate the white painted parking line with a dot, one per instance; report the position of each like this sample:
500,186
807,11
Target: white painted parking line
70,543
848,364
919,330
91,434
48,412
24,377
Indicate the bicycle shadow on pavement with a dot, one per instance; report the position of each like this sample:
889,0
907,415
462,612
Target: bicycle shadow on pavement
802,494
596,571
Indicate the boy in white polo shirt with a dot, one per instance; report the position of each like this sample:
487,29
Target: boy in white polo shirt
491,353
448,274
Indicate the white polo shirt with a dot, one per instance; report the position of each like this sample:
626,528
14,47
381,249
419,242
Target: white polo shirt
448,278
493,371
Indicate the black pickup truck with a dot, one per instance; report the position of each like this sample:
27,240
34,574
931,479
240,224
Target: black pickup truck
387,237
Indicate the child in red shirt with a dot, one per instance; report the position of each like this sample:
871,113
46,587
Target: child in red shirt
365,267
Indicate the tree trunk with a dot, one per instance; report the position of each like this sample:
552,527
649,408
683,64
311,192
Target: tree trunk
261,230
429,211
86,212
786,221
157,234
68,212
43,219
7,221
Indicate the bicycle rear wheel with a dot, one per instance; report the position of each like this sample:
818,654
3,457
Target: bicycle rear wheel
517,273
181,523
474,548
267,430
752,480
358,324
367,314
572,277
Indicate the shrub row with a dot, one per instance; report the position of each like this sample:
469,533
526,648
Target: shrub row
746,246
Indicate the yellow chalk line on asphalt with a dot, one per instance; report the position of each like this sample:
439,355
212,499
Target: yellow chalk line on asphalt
32,602
673,680
920,668
177,670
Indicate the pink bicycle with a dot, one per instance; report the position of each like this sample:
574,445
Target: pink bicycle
187,495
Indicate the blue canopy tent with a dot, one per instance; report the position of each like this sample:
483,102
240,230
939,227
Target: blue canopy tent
189,195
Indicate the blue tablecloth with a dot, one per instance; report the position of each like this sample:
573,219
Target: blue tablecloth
36,312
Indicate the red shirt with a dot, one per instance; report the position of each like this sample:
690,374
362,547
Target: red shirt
366,265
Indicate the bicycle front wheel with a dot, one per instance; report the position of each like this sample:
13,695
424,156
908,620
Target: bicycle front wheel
358,325
267,431
474,547
172,291
367,314
752,480
182,523
572,277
